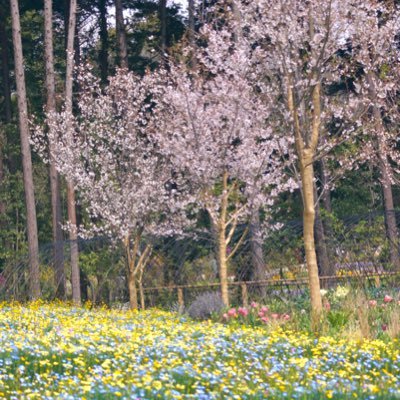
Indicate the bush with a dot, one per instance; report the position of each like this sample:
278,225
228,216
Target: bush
205,305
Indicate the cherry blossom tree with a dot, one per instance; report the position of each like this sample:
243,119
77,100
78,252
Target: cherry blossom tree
301,48
215,130
378,53
126,186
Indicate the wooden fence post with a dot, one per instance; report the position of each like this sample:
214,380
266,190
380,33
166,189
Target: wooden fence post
245,295
181,300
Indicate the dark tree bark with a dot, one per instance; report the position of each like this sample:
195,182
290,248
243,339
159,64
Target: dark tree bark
385,172
191,27
326,268
103,53
73,236
256,248
121,35
163,27
33,245
58,244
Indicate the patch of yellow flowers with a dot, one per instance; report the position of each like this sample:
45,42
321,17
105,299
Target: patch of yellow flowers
56,351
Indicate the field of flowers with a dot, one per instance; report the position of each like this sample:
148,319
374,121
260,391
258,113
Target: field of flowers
51,351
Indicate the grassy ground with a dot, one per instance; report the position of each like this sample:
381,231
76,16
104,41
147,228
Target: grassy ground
53,351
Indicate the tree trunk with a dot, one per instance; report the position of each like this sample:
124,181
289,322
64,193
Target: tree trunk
133,295
307,178
2,203
103,54
390,216
163,27
324,264
75,275
326,194
121,35
33,245
384,170
141,292
131,264
222,246
191,27
256,248
58,246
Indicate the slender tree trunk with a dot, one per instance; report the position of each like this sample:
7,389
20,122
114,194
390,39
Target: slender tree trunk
191,27
73,236
103,54
306,145
307,178
58,246
2,203
390,216
325,266
163,27
222,245
5,66
191,34
141,292
256,248
33,245
121,35
133,294
131,263
384,170
326,194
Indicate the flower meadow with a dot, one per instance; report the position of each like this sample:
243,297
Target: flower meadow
55,351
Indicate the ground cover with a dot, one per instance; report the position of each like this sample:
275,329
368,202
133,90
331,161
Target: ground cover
53,351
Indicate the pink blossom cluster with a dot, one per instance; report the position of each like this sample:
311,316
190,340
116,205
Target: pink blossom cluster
386,300
258,313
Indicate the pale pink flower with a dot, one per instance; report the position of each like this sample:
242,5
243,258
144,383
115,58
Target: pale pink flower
327,306
372,303
388,299
243,311
232,312
253,304
265,320
275,316
264,309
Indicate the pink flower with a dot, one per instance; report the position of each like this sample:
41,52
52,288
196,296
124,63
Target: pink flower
232,312
372,303
225,317
264,309
260,314
286,317
265,320
243,311
275,316
327,305
253,304
384,327
387,299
